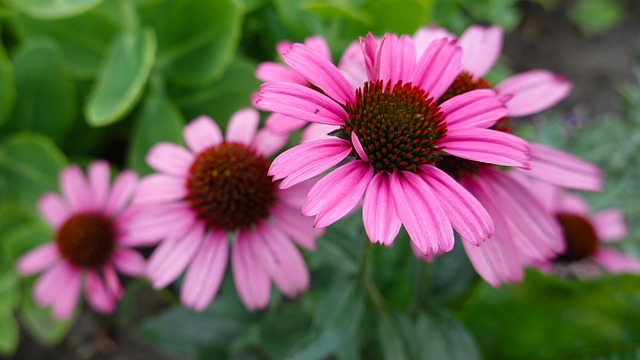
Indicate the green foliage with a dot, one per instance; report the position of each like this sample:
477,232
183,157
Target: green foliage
7,86
594,17
53,9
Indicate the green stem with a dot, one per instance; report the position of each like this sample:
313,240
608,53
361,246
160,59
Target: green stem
365,276
422,289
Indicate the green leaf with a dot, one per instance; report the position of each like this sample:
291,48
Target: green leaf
443,337
24,238
335,11
7,86
40,324
122,79
9,333
226,96
158,121
48,9
594,17
46,100
33,163
390,338
398,16
547,317
84,39
9,289
197,39
180,330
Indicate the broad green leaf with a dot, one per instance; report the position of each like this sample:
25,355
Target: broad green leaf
9,332
197,39
283,328
546,317
158,121
50,9
40,324
398,16
180,330
226,96
594,17
83,39
298,22
7,86
390,338
337,11
46,100
444,338
450,276
9,289
32,162
122,79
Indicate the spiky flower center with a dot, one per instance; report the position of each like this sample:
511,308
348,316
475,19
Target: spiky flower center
580,238
398,125
228,187
86,239
463,83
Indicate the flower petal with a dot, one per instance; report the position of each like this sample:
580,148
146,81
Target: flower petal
112,281
48,285
156,222
97,295
533,91
170,159
128,262
205,274
437,67
252,281
38,259
122,191
54,210
337,193
379,215
283,124
300,102
67,297
617,262
243,126
307,160
298,227
397,59
476,108
317,132
486,145
99,178
272,71
268,143
427,34
422,215
201,134
481,47
320,72
609,225
371,54
467,215
563,169
76,189
159,188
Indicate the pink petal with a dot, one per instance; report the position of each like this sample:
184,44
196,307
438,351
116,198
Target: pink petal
202,133
49,285
467,215
204,276
298,227
379,215
320,72
296,195
357,146
172,255
617,262
300,102
112,281
339,192
76,189
38,259
156,223
563,169
437,67
609,225
170,159
572,204
128,262
397,59
268,143
122,192
319,45
99,178
280,258
54,210
317,132
252,281
97,295
67,298
533,91
272,71
486,145
420,212
425,35
243,126
158,188
547,194
283,124
481,47
476,108
371,54
307,160
352,66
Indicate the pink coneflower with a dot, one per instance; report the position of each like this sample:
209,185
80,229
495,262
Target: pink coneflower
524,232
392,132
218,189
90,242
583,233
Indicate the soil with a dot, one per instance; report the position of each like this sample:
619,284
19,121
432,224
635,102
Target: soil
545,39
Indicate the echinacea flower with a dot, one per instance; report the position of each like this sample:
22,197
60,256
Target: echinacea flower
586,235
392,132
216,190
90,241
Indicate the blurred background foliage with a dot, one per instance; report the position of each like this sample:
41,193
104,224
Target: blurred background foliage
88,79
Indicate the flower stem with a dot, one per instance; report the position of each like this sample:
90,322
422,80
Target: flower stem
365,276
